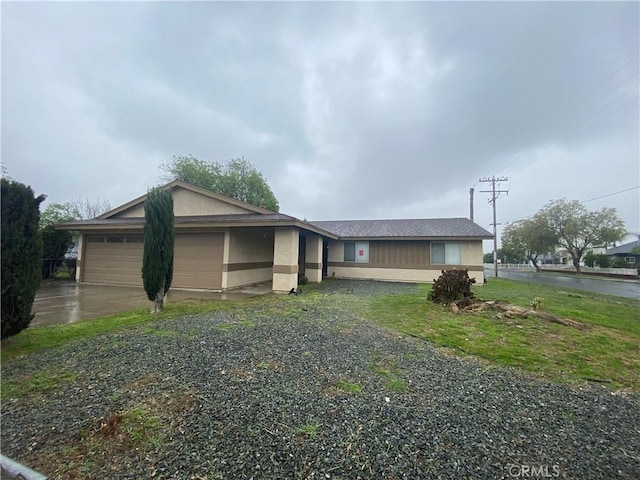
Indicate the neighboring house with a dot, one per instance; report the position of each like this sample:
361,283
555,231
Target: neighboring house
222,243
624,251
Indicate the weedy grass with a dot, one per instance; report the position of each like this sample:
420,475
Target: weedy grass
34,339
310,429
38,383
348,387
606,350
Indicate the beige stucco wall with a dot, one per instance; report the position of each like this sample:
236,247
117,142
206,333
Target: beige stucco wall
250,245
186,202
248,277
471,252
285,259
313,257
335,251
80,263
247,248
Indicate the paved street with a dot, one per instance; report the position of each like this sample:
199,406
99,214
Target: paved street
607,286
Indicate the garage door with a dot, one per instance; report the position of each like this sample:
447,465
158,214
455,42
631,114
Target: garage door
197,260
117,260
113,259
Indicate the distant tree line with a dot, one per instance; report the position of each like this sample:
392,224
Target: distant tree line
562,224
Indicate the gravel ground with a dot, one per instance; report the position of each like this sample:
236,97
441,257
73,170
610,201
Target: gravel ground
310,392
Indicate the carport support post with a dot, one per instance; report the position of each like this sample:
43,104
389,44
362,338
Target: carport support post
313,260
285,260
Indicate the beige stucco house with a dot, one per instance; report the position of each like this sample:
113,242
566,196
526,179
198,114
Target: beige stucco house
222,243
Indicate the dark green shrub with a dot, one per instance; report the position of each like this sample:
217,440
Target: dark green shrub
619,262
21,255
452,286
590,259
603,261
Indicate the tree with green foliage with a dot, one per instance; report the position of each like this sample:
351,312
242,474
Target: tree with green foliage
528,238
576,229
21,255
237,178
56,243
159,239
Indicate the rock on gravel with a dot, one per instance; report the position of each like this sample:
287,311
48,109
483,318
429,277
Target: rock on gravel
313,393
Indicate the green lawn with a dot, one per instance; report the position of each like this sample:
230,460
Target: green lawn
608,349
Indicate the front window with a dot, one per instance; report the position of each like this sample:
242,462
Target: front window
445,253
356,252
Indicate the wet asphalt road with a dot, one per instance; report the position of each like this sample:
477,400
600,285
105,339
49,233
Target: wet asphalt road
618,288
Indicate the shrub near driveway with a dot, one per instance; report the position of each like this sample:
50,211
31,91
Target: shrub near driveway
300,387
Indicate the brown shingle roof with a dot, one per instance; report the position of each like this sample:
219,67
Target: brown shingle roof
416,228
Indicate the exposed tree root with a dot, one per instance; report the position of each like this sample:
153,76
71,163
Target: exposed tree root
514,311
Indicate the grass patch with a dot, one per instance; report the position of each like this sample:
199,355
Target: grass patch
348,387
231,326
609,350
38,383
310,429
388,369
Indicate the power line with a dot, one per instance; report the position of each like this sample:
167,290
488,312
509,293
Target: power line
610,194
583,201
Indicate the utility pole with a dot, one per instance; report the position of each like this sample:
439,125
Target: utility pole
494,196
471,204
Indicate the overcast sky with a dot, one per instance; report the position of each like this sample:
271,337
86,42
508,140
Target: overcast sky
350,110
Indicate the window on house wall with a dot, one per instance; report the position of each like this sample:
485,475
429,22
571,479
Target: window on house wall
445,253
630,259
356,252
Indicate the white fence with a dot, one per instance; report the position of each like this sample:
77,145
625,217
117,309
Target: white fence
568,268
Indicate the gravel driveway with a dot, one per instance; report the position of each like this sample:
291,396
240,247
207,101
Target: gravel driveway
302,389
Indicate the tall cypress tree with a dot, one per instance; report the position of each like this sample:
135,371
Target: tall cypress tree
159,239
21,255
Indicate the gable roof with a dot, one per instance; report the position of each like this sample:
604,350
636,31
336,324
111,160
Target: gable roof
187,186
626,248
406,228
197,221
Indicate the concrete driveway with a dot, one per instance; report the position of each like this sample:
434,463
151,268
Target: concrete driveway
59,302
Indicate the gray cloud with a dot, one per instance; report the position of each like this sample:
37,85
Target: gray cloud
351,110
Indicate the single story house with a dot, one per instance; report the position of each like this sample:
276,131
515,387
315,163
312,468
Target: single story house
629,251
222,243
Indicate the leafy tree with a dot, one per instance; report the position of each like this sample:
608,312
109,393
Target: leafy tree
159,237
55,243
237,178
577,229
528,238
618,262
21,255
